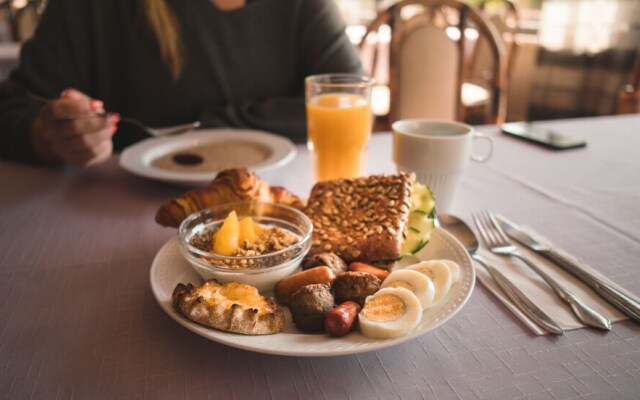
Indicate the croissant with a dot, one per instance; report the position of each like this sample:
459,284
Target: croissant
228,186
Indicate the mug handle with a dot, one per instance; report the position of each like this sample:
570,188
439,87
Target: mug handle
485,157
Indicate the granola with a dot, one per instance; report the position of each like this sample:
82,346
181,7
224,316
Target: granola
272,239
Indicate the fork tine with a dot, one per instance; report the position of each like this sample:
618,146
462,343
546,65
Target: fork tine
487,227
498,228
493,238
483,232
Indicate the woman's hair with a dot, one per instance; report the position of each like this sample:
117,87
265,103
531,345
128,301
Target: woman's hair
165,27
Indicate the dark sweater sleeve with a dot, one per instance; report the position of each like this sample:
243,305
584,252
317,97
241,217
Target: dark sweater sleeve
48,64
322,47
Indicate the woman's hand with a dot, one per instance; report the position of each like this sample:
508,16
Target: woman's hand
68,130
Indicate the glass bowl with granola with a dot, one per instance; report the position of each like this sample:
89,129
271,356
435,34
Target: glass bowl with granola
248,242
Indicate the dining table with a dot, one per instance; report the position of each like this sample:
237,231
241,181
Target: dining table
78,319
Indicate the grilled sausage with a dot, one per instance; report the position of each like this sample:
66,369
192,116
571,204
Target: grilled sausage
285,287
363,267
341,319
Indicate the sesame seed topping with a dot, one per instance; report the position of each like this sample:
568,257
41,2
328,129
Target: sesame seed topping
350,215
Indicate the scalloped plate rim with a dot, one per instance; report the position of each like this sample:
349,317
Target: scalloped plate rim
311,345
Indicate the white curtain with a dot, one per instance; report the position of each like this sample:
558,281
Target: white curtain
587,53
590,26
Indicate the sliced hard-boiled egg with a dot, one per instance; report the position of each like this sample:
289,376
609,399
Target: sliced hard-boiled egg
439,273
389,313
454,268
419,284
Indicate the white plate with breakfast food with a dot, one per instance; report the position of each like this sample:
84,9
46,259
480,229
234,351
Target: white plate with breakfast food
170,268
195,158
350,294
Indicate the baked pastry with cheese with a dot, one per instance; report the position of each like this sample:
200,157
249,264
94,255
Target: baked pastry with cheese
371,219
232,307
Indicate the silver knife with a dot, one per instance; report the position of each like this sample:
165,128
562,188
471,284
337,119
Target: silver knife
519,299
622,301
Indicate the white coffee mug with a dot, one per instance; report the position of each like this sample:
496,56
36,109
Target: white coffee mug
437,152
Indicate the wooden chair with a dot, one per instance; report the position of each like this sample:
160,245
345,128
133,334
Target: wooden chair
428,58
629,95
22,20
505,17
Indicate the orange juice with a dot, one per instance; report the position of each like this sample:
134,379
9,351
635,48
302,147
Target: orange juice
339,127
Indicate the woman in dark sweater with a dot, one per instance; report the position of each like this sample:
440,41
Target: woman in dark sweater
226,63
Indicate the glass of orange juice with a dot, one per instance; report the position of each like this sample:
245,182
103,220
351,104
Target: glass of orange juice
339,123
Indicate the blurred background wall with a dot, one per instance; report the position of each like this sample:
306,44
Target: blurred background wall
573,57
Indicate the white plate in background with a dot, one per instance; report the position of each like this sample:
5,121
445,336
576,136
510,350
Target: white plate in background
138,157
170,268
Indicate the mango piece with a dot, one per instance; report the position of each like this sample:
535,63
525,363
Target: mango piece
227,238
258,229
247,231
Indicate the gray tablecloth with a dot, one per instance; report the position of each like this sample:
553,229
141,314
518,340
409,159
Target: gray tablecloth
78,320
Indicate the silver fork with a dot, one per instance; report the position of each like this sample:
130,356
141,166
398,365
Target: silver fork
498,243
157,132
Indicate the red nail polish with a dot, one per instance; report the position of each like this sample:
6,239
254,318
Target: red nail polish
96,104
115,117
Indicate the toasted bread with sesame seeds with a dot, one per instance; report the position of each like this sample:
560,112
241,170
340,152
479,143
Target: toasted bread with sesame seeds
363,219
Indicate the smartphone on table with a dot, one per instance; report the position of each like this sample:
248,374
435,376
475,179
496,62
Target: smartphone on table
542,136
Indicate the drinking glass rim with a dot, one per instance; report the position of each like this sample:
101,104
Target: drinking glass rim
359,80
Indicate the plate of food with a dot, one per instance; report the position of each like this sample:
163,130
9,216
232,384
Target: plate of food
195,158
346,297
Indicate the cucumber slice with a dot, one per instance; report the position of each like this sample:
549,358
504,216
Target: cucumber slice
412,243
421,219
419,232
422,198
423,223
